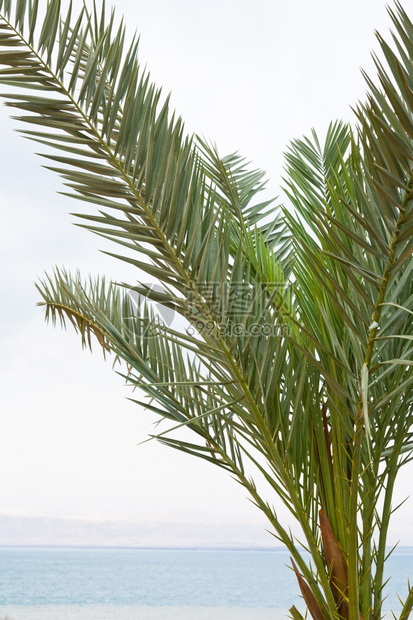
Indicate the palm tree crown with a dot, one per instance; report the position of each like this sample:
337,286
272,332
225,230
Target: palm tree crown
294,363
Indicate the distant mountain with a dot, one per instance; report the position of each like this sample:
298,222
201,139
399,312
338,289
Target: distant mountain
33,531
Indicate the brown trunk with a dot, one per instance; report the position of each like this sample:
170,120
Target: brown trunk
336,565
310,600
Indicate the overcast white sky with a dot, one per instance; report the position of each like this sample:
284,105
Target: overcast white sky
248,74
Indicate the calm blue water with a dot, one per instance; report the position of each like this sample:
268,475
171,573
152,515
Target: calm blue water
145,577
175,579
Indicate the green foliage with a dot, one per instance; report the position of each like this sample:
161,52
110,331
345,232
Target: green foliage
296,359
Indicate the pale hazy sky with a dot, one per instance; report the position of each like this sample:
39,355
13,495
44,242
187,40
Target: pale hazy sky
248,74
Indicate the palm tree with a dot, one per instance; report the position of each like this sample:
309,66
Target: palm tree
293,368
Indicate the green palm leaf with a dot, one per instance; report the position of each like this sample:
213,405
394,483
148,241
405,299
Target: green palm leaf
293,363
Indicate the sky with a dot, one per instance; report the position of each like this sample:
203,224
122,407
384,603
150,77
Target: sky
251,75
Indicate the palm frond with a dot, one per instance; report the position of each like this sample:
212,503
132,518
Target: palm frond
297,336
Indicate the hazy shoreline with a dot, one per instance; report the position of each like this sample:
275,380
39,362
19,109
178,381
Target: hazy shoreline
60,532
396,550
138,612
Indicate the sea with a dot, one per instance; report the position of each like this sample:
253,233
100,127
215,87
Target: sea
160,584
